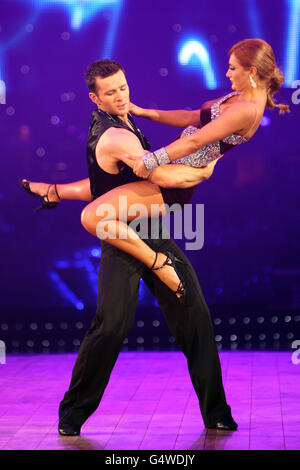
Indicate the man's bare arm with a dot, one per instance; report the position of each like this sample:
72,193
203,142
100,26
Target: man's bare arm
181,176
115,143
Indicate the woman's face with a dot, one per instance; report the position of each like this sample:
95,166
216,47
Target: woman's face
238,75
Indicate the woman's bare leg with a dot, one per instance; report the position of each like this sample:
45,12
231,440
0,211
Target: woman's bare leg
77,190
98,220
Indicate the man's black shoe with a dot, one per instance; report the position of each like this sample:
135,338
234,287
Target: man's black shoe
65,429
225,424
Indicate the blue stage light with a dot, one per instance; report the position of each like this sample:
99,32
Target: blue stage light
196,55
2,92
292,48
62,264
82,260
265,121
96,252
65,290
142,291
81,11
254,18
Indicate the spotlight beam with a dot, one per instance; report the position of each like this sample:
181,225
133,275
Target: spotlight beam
193,52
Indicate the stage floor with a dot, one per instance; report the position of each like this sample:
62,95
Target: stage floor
150,404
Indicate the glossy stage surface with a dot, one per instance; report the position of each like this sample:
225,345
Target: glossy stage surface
150,404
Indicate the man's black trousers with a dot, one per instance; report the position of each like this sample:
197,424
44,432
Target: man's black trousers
189,323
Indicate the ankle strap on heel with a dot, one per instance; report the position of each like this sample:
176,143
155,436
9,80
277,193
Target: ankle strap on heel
168,261
56,192
152,267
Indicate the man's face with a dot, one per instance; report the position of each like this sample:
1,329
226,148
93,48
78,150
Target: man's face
113,94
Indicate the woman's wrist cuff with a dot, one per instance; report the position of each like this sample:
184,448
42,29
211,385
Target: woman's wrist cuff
155,159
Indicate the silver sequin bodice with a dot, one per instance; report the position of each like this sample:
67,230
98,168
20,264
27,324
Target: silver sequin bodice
211,151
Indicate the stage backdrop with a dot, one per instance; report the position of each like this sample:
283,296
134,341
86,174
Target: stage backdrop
175,56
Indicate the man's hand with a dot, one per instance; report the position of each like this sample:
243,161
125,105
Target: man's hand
138,167
211,165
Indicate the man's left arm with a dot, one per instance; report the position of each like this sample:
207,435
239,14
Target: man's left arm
181,176
115,142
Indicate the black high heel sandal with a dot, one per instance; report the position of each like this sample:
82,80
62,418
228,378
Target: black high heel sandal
46,204
170,261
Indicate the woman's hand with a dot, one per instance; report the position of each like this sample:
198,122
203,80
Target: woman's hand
137,165
136,110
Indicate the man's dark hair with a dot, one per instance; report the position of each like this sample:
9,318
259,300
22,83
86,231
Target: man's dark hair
101,68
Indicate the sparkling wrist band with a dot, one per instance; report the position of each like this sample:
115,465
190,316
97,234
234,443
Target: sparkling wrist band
155,159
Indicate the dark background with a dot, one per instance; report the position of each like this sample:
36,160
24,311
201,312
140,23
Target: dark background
249,266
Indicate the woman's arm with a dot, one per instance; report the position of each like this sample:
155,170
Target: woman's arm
233,119
177,118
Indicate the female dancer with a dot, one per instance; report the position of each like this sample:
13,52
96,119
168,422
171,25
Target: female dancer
229,121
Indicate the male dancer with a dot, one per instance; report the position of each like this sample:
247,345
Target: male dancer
112,133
